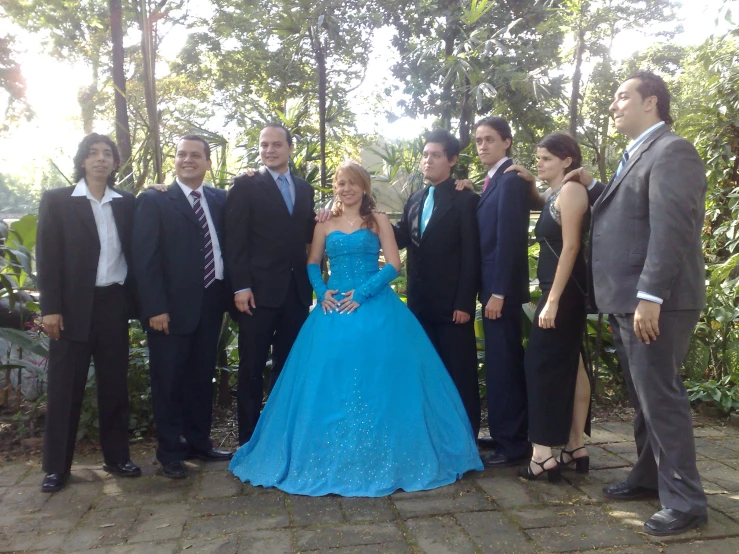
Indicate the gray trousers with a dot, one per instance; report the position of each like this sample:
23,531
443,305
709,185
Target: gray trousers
663,427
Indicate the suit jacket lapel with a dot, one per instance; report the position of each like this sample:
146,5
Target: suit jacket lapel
272,191
84,212
301,194
117,206
633,160
494,182
180,202
414,216
442,204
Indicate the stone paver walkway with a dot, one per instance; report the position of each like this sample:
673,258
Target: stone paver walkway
489,512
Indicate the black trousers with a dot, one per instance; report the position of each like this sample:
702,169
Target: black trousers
182,370
69,364
505,381
276,327
457,348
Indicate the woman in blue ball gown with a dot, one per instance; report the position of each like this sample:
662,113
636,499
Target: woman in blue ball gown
364,405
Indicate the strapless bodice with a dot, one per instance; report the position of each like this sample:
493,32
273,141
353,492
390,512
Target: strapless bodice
352,258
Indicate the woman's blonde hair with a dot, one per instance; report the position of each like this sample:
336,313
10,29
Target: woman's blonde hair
357,174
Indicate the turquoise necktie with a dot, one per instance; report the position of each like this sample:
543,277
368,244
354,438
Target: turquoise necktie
284,187
428,209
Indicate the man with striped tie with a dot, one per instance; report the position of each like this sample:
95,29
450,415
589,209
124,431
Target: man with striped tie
648,273
178,263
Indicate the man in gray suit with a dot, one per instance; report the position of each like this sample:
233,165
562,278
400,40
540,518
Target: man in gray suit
648,273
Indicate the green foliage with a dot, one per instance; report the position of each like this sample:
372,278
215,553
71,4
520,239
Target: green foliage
723,394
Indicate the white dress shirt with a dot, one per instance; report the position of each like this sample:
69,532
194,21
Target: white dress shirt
496,167
491,172
217,255
112,267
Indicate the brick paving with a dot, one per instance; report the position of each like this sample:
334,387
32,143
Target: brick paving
488,512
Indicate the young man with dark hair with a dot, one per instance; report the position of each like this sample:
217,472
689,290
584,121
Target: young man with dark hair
503,218
648,273
269,221
83,252
439,230
184,293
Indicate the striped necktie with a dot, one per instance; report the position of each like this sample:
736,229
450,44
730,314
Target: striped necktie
210,264
624,160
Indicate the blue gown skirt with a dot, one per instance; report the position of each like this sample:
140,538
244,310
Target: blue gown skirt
363,407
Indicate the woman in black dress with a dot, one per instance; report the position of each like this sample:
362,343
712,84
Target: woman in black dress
557,384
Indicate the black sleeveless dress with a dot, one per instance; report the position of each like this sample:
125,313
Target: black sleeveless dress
552,355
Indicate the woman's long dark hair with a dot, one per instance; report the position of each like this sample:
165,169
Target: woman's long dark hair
83,150
358,174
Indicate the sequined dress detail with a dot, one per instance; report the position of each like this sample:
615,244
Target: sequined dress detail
364,405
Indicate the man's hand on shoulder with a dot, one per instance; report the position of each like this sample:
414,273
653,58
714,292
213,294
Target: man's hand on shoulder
580,175
323,215
158,187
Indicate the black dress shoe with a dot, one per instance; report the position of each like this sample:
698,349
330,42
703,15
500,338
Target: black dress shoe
210,455
124,469
501,460
174,470
487,443
54,482
626,491
673,522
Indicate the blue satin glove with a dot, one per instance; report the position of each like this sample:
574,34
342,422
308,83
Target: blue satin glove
375,284
317,282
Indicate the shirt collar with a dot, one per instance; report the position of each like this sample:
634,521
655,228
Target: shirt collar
275,175
187,190
634,144
83,190
496,167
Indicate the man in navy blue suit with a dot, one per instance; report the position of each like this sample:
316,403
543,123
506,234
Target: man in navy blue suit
503,220
177,238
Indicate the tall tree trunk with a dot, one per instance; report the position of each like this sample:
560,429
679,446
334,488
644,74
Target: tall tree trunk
321,61
87,97
122,128
148,50
576,78
465,116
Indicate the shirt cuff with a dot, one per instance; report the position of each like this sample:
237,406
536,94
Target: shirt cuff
645,296
592,184
242,290
500,296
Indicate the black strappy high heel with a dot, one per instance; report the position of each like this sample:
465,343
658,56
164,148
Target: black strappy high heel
553,473
582,464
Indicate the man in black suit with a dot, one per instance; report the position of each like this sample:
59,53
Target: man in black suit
83,252
503,216
182,286
269,221
439,230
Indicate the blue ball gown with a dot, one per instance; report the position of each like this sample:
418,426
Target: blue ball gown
364,405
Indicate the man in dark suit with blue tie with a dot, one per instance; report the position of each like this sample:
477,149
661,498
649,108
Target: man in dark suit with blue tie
503,220
179,268
439,230
269,221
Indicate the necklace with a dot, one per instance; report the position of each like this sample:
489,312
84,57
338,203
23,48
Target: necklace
351,223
